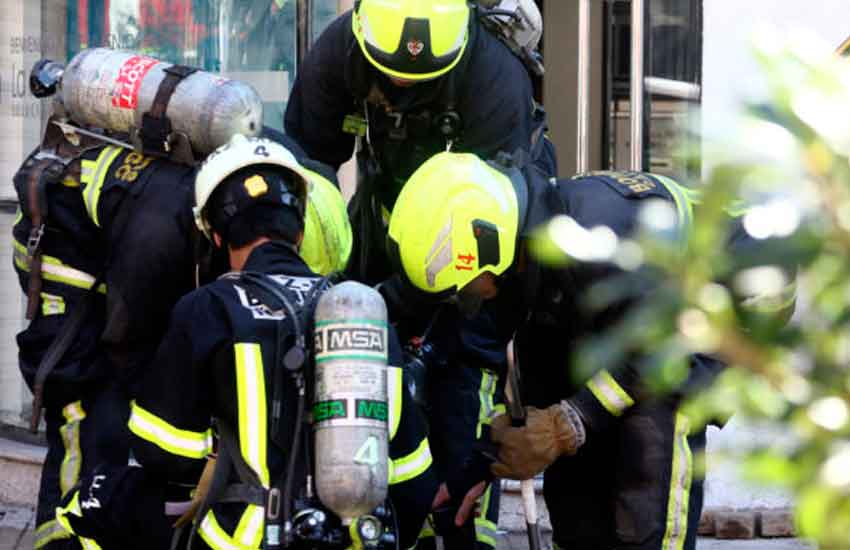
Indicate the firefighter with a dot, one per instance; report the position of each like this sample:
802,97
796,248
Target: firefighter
620,460
411,79
251,197
107,214
59,258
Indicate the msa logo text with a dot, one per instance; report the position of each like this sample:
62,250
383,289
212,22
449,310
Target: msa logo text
350,339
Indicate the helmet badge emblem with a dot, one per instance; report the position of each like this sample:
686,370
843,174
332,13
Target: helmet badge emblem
415,47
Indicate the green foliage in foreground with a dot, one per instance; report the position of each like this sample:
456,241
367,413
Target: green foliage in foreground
788,163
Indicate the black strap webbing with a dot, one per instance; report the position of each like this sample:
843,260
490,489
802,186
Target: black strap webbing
156,126
58,347
229,458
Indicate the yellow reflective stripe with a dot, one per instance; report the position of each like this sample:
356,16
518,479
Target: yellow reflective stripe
89,544
69,181
69,470
73,508
412,465
485,531
249,532
216,538
484,501
93,176
680,488
19,215
54,269
151,428
394,395
609,393
251,396
427,529
51,304
486,391
49,531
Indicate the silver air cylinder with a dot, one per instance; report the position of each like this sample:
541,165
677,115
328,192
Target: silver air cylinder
112,89
350,411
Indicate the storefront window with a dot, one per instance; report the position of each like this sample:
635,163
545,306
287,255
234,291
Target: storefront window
250,40
673,70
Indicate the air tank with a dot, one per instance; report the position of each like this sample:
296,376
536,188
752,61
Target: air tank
112,89
350,410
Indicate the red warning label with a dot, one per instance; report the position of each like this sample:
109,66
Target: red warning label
125,95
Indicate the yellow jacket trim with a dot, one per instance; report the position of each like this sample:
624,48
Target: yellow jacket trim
680,488
69,470
609,393
395,378
73,508
93,174
408,467
217,538
486,392
151,428
49,531
485,531
52,304
249,531
54,269
251,399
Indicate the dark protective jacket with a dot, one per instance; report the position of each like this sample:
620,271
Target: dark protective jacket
217,361
143,208
557,298
73,256
337,88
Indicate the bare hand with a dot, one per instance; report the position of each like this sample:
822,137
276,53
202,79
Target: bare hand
469,502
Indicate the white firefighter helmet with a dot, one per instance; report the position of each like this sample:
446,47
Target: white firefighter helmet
239,153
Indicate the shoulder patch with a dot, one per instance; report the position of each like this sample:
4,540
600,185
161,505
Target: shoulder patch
635,185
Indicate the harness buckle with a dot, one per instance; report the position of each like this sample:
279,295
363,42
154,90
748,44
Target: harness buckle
34,240
273,504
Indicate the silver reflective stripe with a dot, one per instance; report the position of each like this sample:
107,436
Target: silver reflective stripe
609,393
410,466
680,488
48,532
69,471
214,535
394,397
486,532
251,400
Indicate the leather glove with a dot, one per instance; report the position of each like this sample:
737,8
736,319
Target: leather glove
548,433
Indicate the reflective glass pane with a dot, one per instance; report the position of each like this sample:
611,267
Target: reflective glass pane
250,40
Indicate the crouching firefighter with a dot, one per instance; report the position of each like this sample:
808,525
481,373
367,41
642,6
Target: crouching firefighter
235,360
618,457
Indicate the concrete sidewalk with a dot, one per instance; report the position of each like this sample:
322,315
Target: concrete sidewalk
16,533
20,467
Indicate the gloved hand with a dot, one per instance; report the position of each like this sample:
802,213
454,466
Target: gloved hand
548,433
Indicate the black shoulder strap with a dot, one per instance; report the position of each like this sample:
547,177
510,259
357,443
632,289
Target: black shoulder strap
156,126
229,458
60,344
